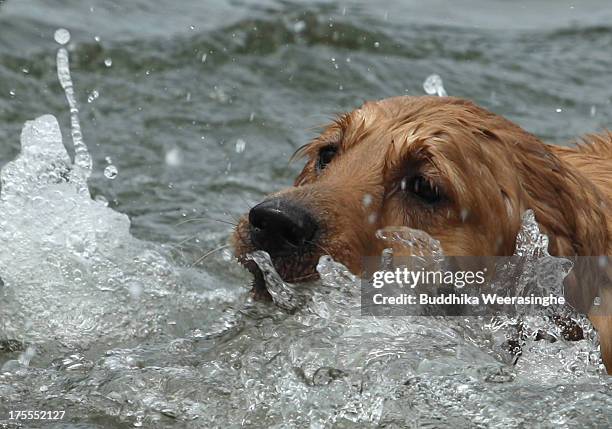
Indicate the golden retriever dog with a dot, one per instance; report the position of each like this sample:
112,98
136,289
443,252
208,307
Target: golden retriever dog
442,165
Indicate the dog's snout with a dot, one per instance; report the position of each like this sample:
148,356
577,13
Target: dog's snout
281,226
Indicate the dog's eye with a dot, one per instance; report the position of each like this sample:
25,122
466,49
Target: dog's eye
326,154
423,188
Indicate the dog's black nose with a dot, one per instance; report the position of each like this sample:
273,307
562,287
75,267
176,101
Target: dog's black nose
279,226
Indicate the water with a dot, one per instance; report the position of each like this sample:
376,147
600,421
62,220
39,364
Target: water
433,85
117,327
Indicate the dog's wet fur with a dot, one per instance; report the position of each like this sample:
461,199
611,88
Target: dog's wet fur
443,165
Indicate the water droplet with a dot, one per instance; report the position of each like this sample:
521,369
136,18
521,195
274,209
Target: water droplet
433,85
240,145
367,200
135,289
174,158
204,58
97,39
188,97
93,96
25,70
299,26
593,111
227,255
558,110
192,27
12,92
27,356
62,36
110,172
377,44
101,199
252,117
138,422
108,62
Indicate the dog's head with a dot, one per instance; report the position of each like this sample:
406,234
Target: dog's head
438,164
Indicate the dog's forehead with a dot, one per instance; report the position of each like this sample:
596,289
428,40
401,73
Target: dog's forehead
423,117
387,108
396,113
374,118
373,123
429,127
422,106
392,106
397,119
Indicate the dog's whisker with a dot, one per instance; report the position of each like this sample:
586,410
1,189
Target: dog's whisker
195,219
325,251
203,219
180,243
249,205
207,254
236,219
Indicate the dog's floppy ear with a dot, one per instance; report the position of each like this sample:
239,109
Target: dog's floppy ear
568,207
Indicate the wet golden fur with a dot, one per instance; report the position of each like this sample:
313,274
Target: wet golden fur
488,169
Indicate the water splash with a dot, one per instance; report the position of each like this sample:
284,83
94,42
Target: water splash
433,85
411,242
67,261
62,36
334,274
41,140
93,96
82,160
111,172
530,242
240,146
531,269
283,294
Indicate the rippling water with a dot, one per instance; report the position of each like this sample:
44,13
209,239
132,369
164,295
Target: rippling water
189,111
